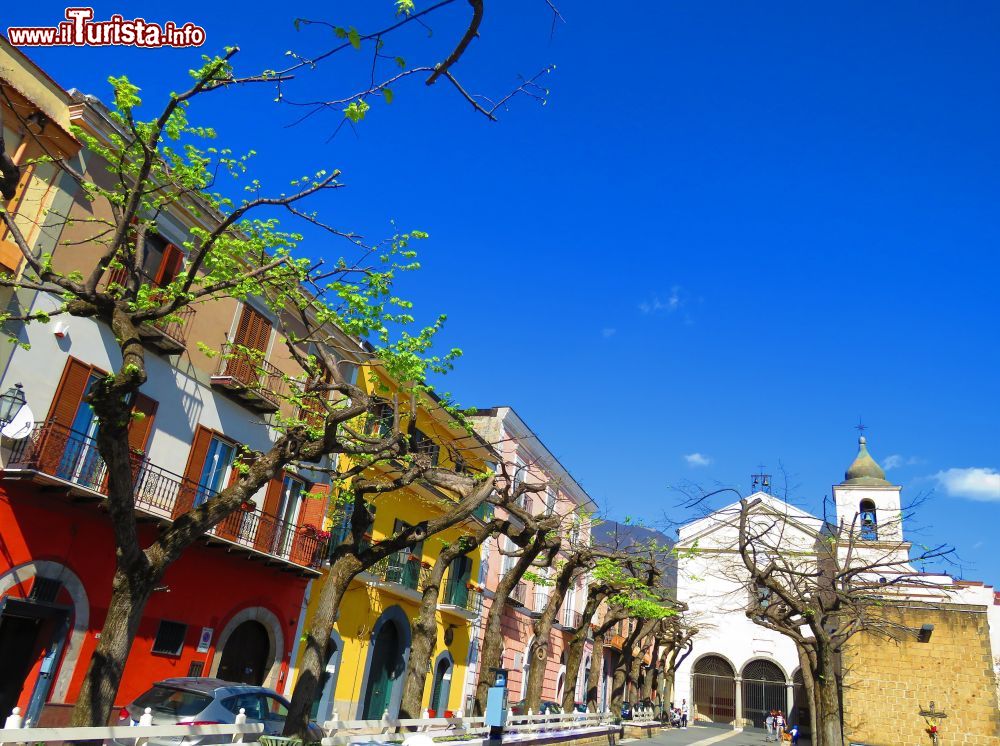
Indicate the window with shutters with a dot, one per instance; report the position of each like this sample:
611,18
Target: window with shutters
169,638
380,419
216,469
421,443
67,444
253,332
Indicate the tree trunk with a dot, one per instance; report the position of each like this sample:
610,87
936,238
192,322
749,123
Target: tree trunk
493,637
424,627
619,681
317,642
100,685
808,683
650,675
829,718
596,669
633,684
576,646
543,631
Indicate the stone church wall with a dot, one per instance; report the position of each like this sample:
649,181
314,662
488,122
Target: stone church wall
886,683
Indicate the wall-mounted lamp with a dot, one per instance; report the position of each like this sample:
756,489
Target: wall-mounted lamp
10,403
924,635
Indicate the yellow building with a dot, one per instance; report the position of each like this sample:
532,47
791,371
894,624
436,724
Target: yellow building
371,640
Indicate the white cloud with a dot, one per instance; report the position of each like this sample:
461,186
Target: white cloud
608,331
895,461
974,483
672,302
697,459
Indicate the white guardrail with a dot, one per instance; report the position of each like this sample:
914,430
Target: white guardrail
13,733
339,732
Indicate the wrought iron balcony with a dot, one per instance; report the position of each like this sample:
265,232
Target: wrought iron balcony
57,456
571,619
168,335
401,569
255,383
519,595
463,597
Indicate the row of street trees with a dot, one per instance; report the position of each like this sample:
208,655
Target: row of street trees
237,250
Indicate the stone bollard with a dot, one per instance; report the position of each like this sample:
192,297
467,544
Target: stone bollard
241,719
14,720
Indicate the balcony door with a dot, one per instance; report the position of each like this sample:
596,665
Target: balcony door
403,569
287,514
253,332
216,470
459,575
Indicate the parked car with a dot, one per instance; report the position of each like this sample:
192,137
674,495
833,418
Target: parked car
545,708
197,701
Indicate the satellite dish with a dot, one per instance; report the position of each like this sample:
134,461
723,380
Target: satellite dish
20,427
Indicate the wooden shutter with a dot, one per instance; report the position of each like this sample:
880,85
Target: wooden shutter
140,427
266,527
307,549
253,330
313,509
69,395
192,472
170,266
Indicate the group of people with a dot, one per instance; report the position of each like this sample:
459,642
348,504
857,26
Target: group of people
777,728
679,715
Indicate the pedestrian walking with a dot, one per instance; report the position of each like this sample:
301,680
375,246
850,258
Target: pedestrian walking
685,713
779,725
769,724
794,733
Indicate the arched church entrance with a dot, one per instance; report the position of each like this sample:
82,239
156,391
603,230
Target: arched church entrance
714,685
245,655
763,690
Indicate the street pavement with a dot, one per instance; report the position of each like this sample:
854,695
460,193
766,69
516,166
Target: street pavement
699,735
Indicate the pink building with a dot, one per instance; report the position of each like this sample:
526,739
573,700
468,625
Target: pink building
534,463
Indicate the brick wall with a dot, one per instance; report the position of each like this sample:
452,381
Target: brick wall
886,683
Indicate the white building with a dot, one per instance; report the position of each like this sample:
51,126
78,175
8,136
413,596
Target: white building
737,670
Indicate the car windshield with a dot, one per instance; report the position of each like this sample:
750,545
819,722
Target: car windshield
170,701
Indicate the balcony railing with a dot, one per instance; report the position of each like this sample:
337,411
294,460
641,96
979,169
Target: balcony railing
541,599
167,334
463,597
256,383
402,569
519,595
571,618
63,454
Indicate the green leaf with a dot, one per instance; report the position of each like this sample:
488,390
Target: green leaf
354,37
404,7
356,111
401,62
387,92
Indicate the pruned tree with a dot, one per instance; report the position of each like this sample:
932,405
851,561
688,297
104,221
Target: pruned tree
822,590
536,539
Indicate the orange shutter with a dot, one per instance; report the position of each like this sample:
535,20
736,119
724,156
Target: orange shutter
69,396
307,549
192,472
266,526
140,427
170,266
313,508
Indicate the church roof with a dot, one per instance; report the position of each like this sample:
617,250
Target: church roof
865,471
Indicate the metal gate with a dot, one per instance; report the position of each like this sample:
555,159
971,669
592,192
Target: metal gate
714,685
764,690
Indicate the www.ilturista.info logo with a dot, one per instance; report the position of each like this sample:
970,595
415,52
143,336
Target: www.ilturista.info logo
80,30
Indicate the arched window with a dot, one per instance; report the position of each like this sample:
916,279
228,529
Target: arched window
869,521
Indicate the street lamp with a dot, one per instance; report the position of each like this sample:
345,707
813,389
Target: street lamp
10,403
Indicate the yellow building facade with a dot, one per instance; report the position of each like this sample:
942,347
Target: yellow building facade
371,640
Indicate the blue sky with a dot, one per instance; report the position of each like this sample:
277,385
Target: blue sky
733,229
